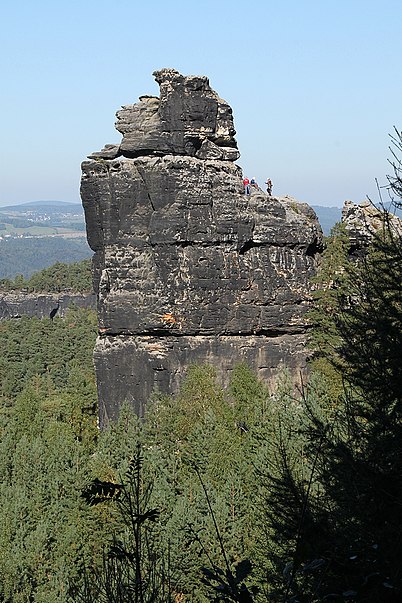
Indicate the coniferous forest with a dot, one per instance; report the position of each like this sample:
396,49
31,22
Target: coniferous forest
244,494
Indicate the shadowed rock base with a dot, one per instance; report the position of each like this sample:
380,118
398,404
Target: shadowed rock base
131,368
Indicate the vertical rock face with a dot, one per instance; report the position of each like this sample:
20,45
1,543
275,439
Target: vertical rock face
187,268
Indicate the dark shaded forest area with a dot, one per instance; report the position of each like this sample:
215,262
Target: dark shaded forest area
240,494
28,255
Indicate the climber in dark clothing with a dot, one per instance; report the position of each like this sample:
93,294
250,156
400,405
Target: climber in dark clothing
269,186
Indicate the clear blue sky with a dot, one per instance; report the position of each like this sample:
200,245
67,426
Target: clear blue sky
315,86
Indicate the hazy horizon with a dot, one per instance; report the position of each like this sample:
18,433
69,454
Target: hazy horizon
80,203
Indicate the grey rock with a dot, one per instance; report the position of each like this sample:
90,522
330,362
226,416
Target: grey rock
187,268
131,368
187,113
363,221
210,150
109,151
17,304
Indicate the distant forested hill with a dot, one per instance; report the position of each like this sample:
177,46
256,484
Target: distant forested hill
41,218
43,206
28,255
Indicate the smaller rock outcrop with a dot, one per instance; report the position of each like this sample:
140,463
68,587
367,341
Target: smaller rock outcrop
363,221
47,305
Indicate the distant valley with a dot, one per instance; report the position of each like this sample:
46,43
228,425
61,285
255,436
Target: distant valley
42,218
37,234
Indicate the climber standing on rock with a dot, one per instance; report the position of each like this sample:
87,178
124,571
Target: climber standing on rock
246,183
269,186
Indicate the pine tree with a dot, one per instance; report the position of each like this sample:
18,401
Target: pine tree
345,513
48,530
331,293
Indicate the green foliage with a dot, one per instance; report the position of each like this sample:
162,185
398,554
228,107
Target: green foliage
52,349
47,530
28,255
133,565
48,436
198,452
333,501
371,328
331,292
59,277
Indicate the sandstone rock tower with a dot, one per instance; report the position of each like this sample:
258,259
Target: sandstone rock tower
187,268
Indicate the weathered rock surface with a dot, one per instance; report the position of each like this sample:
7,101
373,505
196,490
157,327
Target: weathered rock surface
364,221
15,305
188,269
188,118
